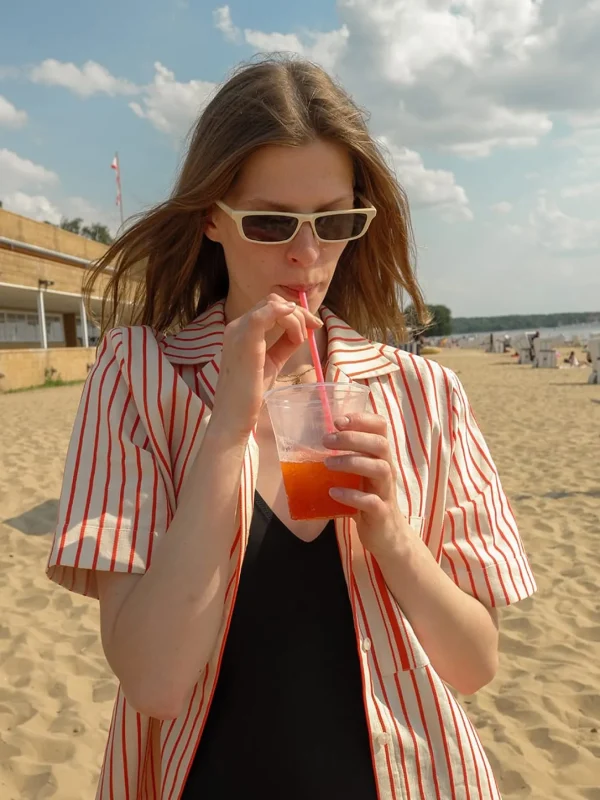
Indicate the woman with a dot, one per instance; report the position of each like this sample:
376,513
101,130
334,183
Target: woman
260,656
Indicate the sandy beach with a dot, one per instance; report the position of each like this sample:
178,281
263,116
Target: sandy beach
539,720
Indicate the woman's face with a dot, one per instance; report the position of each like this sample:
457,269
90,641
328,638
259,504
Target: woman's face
313,177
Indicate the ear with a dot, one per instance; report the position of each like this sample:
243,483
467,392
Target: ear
211,228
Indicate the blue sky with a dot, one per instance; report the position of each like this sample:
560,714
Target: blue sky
488,110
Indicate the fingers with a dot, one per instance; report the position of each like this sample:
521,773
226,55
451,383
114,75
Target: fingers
289,316
365,422
369,504
375,445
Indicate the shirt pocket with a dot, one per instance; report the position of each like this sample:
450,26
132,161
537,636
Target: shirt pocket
389,634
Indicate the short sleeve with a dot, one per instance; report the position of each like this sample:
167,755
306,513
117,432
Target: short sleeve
482,550
114,499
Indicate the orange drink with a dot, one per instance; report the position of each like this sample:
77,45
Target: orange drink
301,416
307,485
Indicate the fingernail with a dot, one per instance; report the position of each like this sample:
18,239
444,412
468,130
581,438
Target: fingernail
291,304
341,422
330,437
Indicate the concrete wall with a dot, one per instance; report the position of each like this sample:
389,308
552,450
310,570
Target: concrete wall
26,270
22,368
14,226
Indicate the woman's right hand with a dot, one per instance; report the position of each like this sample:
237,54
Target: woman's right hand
248,367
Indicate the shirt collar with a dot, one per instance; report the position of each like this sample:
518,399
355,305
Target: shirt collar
202,341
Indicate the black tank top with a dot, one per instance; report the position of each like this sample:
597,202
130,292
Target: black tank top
287,720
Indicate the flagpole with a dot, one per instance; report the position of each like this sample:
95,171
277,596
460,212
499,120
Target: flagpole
120,187
117,168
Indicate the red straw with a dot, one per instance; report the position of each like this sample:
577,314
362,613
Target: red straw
318,369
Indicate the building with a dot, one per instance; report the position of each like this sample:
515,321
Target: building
45,333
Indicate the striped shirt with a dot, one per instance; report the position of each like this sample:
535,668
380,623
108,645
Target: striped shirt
138,429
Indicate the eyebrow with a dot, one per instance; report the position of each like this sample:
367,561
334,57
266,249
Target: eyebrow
268,205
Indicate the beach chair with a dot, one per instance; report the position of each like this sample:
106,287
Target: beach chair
545,353
594,351
409,347
521,344
523,347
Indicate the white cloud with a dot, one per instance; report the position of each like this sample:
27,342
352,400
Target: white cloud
11,117
18,173
92,78
581,190
172,106
33,206
323,48
586,120
33,190
503,207
432,72
224,23
18,177
563,234
428,188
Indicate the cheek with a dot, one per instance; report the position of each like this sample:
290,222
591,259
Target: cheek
332,255
247,263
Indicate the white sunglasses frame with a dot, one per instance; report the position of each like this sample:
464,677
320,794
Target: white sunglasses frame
237,216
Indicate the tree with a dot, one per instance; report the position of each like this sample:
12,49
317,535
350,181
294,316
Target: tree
71,225
442,321
95,231
441,324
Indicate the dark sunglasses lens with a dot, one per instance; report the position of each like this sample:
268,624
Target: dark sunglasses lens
269,227
337,227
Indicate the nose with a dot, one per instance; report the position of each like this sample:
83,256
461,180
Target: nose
303,250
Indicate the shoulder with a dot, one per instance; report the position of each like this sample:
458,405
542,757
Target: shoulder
128,342
426,372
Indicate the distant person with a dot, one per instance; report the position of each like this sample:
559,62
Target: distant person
532,339
572,359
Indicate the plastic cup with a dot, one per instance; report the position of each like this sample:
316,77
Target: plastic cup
299,419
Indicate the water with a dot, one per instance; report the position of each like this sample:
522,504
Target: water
567,332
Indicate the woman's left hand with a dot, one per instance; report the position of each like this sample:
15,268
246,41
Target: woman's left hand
381,526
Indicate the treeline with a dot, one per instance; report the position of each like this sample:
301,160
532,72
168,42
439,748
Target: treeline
515,322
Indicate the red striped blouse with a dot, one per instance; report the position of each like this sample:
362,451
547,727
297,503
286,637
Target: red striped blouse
138,428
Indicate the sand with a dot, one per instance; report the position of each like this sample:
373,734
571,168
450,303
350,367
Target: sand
539,720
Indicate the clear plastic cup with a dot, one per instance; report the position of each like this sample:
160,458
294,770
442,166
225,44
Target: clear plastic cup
299,419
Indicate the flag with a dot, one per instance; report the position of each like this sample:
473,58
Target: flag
115,166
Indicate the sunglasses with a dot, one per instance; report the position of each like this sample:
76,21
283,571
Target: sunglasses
275,227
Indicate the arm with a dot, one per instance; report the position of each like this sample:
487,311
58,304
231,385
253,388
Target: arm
159,628
482,561
458,633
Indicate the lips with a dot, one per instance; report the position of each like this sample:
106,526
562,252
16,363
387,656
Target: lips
297,287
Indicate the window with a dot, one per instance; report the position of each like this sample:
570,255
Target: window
24,328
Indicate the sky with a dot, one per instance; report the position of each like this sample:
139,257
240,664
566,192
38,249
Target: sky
487,110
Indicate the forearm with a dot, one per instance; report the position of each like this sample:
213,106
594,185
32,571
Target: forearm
166,630
457,632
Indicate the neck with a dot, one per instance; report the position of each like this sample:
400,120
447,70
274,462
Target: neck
302,358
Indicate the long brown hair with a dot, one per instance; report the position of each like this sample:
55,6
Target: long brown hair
164,272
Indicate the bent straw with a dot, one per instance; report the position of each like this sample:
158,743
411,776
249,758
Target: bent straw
318,369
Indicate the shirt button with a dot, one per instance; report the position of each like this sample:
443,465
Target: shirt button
366,645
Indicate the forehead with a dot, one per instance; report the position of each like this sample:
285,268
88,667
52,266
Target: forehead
301,178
